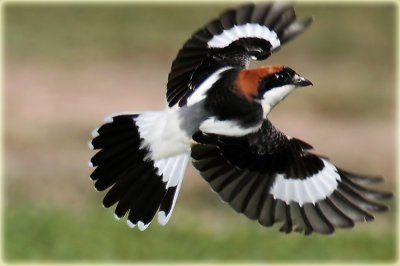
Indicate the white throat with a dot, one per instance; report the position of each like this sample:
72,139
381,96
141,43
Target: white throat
274,96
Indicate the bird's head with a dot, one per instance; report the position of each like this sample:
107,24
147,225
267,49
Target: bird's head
269,84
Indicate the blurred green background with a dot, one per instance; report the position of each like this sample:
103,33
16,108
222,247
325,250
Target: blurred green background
69,65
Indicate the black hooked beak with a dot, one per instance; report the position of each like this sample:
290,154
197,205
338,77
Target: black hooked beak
300,81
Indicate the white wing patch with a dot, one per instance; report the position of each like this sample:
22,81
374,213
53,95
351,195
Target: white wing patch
309,190
248,30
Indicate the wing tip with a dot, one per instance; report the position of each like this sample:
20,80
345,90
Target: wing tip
142,226
163,218
90,145
130,224
116,216
307,21
108,119
296,28
95,132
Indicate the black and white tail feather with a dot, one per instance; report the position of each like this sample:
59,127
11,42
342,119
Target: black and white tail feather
266,175
140,185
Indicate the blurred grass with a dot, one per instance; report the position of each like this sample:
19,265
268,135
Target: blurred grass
343,38
46,234
68,33
86,32
68,60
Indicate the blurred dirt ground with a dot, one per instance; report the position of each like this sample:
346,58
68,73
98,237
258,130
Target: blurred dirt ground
50,112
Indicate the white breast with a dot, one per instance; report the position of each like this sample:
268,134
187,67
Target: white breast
275,95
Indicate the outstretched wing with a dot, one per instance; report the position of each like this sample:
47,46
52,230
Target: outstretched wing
249,31
272,178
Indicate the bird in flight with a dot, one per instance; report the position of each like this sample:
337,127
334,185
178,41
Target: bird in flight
217,115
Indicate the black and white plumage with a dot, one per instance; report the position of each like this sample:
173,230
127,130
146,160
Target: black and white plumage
238,35
270,177
217,114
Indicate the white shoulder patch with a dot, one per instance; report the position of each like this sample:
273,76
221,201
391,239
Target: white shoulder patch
309,190
201,91
226,127
248,30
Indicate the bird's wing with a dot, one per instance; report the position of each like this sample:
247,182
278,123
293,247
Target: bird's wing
249,31
272,178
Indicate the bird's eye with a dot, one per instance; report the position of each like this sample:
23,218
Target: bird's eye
282,77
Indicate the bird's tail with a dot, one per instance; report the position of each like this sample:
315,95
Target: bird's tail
139,184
